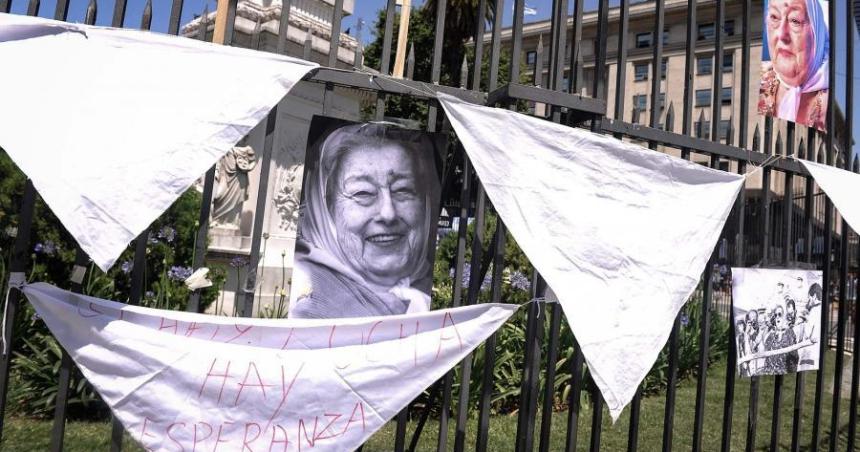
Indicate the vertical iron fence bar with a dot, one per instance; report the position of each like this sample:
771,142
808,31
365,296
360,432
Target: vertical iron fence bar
828,242
66,365
534,323
432,114
576,41
466,364
246,308
717,95
202,234
524,436
284,27
787,202
825,307
175,17
621,63
600,93
385,61
146,17
788,245
480,27
61,11
854,401
689,62
808,206
138,275
705,334
549,377
33,7
841,321
119,13
731,362
490,346
575,395
752,417
686,124
657,64
18,264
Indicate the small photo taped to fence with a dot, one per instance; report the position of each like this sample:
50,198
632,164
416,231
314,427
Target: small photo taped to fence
777,315
367,221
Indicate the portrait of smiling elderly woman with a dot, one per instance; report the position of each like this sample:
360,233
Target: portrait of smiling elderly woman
795,79
367,222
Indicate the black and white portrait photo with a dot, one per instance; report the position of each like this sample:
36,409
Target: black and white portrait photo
367,222
777,315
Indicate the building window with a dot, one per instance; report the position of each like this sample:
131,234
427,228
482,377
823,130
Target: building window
728,62
640,101
706,31
640,72
724,128
729,27
665,36
703,97
704,65
702,130
531,57
727,96
643,40
662,101
663,68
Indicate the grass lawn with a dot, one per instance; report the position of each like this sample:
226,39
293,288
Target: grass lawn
33,435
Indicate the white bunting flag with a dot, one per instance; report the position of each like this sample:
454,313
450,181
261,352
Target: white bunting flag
112,125
841,187
185,381
621,233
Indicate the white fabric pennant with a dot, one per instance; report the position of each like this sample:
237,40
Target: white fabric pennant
184,381
112,125
841,187
621,233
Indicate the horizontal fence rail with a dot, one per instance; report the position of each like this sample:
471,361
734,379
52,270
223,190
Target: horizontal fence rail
781,219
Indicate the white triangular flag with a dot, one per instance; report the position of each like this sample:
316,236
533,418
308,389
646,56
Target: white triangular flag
112,125
185,381
841,187
621,233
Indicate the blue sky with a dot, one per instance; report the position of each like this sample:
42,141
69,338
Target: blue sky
365,10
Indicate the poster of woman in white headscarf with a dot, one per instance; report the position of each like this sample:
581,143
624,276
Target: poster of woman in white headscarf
777,316
367,221
794,69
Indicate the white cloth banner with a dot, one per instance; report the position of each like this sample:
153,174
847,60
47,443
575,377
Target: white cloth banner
841,187
184,381
112,125
621,233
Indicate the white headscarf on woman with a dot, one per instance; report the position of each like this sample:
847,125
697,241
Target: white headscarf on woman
818,77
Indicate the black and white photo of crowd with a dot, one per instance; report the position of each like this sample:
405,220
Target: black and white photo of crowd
777,316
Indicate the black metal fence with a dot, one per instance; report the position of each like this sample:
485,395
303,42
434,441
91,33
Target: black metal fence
784,221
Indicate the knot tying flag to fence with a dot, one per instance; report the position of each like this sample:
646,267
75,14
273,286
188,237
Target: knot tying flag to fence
621,233
133,119
188,381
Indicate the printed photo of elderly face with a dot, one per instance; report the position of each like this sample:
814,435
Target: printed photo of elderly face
795,76
367,223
